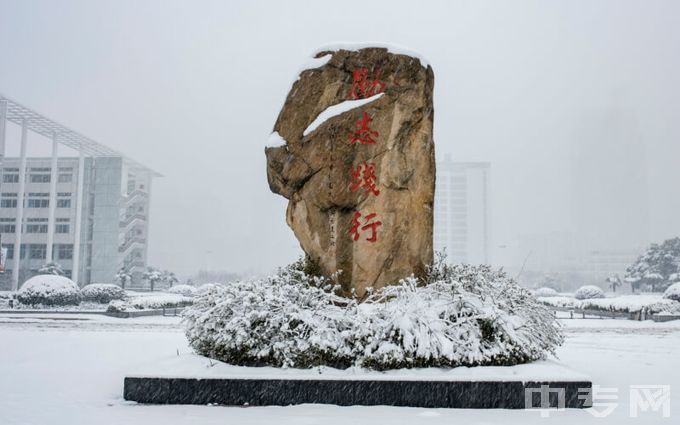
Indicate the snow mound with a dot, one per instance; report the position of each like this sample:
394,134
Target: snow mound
102,293
545,292
588,292
338,109
469,316
673,292
186,290
49,290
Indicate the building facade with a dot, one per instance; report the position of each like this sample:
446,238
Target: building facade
89,214
461,211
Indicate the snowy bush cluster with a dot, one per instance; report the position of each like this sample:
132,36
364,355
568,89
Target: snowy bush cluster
49,290
545,292
588,292
102,293
463,316
186,290
673,292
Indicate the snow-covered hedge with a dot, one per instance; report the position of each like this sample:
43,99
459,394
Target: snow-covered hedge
620,304
102,293
117,306
673,292
158,301
464,316
49,290
565,302
186,290
588,292
545,292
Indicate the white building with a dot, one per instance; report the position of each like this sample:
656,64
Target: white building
461,211
89,213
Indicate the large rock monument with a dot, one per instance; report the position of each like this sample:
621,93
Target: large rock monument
356,163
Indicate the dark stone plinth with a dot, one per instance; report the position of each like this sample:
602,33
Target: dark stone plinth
282,392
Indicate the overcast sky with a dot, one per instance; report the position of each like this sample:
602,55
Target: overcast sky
192,89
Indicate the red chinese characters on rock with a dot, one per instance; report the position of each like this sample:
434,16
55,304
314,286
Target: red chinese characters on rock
363,177
356,226
364,135
363,86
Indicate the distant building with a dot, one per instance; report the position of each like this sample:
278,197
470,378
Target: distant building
461,211
570,260
90,214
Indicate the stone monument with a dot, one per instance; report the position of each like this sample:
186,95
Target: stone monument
356,163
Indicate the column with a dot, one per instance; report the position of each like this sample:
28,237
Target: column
53,198
3,123
75,274
3,127
20,206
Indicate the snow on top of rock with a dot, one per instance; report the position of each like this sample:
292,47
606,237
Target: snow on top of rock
275,140
392,48
336,110
313,63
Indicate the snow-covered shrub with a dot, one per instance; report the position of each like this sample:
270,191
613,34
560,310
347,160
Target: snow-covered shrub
588,292
631,304
102,293
545,292
49,290
462,316
673,292
117,306
186,290
560,301
158,301
207,287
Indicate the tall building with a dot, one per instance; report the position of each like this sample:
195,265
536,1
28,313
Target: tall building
609,181
461,211
89,213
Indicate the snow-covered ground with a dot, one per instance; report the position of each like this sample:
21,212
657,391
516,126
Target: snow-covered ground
69,370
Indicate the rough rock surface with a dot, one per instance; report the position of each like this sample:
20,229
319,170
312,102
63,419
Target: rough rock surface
377,158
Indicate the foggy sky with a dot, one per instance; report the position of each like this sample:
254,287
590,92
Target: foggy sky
192,89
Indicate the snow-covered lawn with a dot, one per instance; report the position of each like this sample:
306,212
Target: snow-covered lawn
56,370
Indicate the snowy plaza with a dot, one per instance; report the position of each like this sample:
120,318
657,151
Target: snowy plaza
90,356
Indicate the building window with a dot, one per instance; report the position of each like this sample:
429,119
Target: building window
8,228
38,200
10,251
37,251
40,178
62,228
65,178
10,178
65,252
64,200
8,200
36,228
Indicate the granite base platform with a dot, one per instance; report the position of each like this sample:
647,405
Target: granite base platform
192,379
283,392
